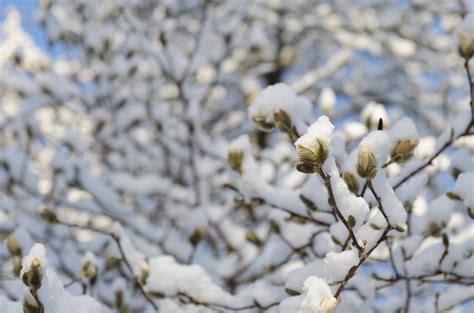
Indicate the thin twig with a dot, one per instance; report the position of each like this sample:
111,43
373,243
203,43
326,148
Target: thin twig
332,202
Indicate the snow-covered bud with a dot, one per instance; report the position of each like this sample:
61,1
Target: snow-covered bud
253,238
282,121
453,196
351,182
466,36
119,298
328,305
311,157
466,45
235,158
145,271
327,100
12,245
197,235
308,156
88,271
403,149
372,113
261,122
351,221
16,264
32,278
366,165
47,215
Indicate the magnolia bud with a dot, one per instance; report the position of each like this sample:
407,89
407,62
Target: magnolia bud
88,271
16,262
466,45
351,182
197,235
451,195
282,121
328,305
366,165
119,298
323,151
12,245
311,157
235,159
32,278
403,149
307,153
253,238
261,122
145,270
47,215
351,221
308,158
274,226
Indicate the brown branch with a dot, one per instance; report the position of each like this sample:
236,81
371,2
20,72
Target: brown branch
379,202
332,202
362,260
451,141
430,160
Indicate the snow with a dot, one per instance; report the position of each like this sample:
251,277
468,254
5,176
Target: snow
377,143
467,25
297,277
464,187
37,252
55,298
317,297
354,130
51,293
392,206
327,101
10,306
348,203
280,96
338,264
462,160
321,129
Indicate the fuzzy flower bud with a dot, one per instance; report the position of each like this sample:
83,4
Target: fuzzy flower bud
235,159
32,278
466,37
403,149
311,157
12,245
351,182
261,122
282,121
366,165
328,305
88,270
47,215
16,262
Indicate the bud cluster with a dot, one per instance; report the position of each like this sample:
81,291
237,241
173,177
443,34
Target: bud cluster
311,157
366,164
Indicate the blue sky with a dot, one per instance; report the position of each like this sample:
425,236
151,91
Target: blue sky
27,9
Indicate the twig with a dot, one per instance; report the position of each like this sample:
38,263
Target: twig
332,202
122,254
364,257
379,202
